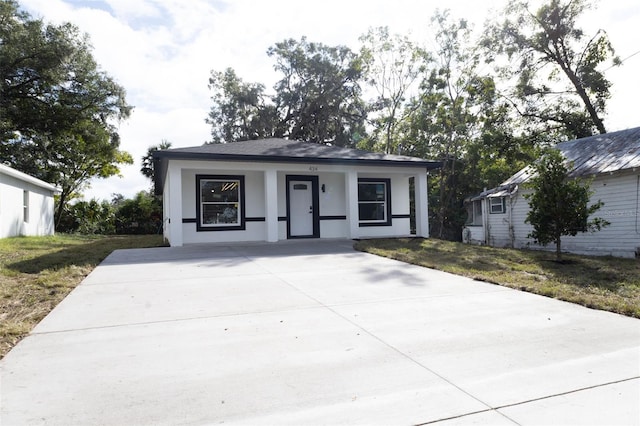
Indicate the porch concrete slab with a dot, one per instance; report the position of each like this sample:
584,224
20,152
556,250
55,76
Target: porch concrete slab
312,332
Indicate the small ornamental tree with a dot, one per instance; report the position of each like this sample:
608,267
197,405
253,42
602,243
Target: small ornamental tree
559,205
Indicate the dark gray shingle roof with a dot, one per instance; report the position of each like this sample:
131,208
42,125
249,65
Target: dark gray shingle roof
288,151
282,151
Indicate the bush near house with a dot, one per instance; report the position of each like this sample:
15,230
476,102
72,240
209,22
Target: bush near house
140,215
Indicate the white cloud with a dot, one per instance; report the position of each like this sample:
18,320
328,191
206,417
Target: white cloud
162,51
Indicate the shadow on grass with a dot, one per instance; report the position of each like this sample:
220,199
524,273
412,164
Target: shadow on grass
606,273
89,251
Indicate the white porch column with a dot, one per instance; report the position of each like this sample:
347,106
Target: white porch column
351,190
175,205
422,205
271,204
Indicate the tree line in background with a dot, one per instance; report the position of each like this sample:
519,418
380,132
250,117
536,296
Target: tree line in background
484,107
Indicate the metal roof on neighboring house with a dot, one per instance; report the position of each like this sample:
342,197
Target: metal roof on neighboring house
606,153
593,155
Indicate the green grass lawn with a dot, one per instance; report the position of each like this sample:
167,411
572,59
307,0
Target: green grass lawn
36,273
606,283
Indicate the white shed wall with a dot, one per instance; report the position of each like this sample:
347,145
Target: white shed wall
41,209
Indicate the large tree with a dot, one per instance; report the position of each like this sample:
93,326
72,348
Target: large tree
241,111
58,110
558,205
318,98
319,95
394,65
554,67
447,118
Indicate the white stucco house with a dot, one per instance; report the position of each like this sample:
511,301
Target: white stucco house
496,217
277,189
26,204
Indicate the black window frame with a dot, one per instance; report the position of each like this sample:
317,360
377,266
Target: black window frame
241,226
388,218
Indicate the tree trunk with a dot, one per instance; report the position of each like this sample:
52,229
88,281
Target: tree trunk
558,250
583,95
61,202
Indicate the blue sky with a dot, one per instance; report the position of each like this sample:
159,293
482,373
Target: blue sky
162,52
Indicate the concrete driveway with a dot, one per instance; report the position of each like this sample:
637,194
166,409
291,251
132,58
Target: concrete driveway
312,332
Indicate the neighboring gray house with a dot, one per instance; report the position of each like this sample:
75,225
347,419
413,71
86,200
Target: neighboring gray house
277,189
26,204
497,216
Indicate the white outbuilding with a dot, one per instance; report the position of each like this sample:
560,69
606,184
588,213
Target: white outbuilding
26,204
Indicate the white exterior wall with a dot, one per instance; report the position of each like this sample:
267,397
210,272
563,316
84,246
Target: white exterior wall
621,196
474,234
333,202
498,223
41,208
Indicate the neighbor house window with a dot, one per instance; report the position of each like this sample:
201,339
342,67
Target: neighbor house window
25,206
220,202
474,213
497,205
374,202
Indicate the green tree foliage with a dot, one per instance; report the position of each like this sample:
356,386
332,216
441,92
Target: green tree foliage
559,205
319,97
394,65
241,111
554,65
147,161
57,108
88,217
459,119
139,215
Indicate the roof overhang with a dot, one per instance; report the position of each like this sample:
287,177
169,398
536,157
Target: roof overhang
161,161
6,170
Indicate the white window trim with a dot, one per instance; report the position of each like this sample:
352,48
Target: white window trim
501,204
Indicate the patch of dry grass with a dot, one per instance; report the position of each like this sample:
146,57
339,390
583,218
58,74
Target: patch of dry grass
36,273
606,283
